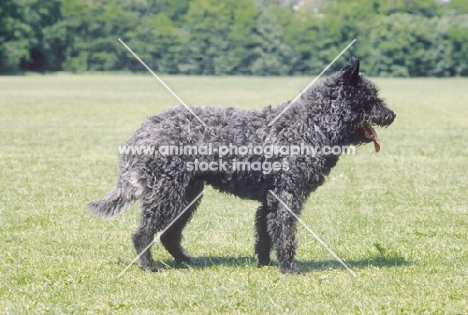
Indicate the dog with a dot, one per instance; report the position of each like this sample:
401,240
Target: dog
342,110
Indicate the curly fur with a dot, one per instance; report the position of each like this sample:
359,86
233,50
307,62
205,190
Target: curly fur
333,112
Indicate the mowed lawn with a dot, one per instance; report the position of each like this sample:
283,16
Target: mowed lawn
399,218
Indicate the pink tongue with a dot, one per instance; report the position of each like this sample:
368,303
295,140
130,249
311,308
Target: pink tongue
370,133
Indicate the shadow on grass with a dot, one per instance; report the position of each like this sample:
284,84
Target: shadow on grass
378,261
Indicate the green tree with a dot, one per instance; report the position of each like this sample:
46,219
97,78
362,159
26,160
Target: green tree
457,7
208,25
427,8
14,37
24,28
405,45
304,31
272,55
159,43
221,36
394,37
94,28
46,50
348,20
457,35
242,37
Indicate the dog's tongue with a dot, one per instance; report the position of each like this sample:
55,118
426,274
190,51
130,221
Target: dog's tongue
370,133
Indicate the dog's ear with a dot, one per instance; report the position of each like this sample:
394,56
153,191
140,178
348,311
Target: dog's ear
351,72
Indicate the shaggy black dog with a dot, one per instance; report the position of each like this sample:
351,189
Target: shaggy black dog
340,111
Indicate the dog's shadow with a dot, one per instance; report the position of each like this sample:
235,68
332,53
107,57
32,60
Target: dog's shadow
377,261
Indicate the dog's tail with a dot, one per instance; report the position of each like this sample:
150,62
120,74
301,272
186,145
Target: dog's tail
119,199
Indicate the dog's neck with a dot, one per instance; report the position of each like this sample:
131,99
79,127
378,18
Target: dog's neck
323,106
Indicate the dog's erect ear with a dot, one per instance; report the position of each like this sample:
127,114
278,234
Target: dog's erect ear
351,72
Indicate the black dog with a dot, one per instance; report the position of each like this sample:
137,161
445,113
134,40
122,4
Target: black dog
340,111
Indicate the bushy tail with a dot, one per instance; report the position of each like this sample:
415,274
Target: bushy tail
114,204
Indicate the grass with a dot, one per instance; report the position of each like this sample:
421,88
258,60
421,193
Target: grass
399,218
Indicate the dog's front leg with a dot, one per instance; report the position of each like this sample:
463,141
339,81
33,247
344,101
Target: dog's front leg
263,239
281,226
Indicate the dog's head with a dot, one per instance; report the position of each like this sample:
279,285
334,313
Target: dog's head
361,108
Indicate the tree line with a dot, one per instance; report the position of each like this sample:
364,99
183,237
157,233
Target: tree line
403,38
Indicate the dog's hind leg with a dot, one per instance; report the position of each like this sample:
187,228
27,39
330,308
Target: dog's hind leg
142,238
149,225
172,237
263,239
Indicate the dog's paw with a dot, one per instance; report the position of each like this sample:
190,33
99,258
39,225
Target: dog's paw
292,272
187,261
290,269
149,268
263,263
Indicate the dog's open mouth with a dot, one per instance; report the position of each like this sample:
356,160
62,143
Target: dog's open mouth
370,133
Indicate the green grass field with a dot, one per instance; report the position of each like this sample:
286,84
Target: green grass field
399,217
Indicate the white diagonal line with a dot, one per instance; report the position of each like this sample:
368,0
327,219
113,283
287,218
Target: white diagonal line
315,235
311,83
161,233
162,82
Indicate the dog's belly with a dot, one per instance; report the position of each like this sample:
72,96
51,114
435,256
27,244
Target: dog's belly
238,185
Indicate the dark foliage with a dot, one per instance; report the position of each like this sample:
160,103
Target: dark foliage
248,37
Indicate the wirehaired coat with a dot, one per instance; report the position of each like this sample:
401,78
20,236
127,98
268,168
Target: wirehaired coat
342,110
